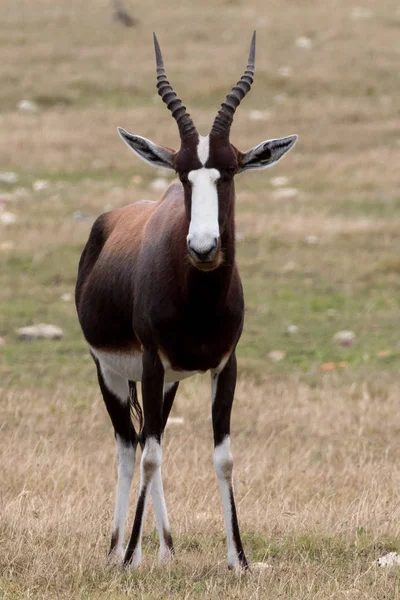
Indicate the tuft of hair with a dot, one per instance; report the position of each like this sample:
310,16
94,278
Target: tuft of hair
136,409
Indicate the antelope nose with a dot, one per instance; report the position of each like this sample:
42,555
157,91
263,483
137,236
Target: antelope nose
203,254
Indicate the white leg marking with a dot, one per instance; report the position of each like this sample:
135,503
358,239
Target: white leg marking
150,463
160,507
161,515
223,465
126,455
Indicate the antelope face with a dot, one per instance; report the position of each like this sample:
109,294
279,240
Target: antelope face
209,196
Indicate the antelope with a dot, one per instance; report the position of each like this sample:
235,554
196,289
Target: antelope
159,299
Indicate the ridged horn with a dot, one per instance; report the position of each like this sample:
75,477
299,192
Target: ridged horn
223,121
185,124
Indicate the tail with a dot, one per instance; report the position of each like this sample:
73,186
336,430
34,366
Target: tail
136,409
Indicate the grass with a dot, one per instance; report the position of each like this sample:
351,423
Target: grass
317,537
315,446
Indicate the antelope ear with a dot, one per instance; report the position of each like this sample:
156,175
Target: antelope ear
266,154
153,154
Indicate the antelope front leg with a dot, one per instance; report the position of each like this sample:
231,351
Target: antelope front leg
150,465
223,389
115,390
157,490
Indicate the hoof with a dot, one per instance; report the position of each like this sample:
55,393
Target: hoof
240,565
115,557
134,562
166,555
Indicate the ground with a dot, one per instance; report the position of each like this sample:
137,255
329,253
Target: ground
315,436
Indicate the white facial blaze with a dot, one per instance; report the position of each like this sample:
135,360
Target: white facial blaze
203,149
204,227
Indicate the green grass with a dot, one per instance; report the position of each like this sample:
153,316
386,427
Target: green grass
321,295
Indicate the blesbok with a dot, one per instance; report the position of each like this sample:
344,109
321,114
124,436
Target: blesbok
159,299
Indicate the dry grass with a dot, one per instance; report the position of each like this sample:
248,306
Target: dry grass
317,480
316,455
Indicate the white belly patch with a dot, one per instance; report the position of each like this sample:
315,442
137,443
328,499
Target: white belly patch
128,365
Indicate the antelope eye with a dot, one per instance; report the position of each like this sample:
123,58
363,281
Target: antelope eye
227,174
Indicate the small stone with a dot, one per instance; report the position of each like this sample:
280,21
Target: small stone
42,331
285,71
2,341
384,353
281,98
344,338
276,355
8,218
388,560
261,566
21,193
259,115
82,217
289,267
175,421
312,239
67,297
360,12
279,181
27,106
285,193
136,179
7,245
159,184
328,367
8,177
239,236
40,185
292,329
304,42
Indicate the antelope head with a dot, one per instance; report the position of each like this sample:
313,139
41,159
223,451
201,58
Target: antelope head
206,166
